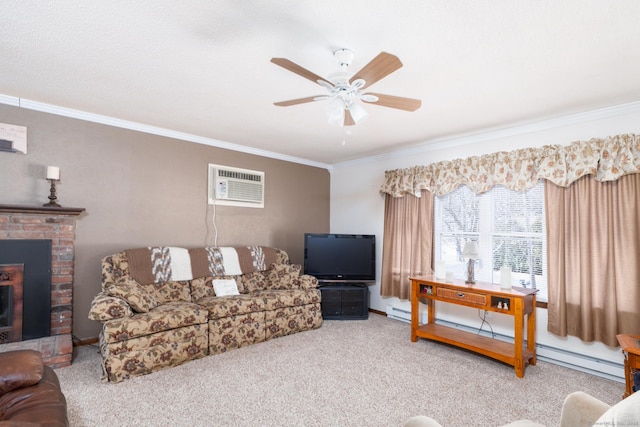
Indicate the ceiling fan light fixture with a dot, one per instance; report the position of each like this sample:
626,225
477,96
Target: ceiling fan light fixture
335,107
358,113
337,119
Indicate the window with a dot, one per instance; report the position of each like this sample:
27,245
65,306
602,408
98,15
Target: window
509,227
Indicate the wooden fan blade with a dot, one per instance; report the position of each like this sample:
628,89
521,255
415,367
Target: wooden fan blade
398,102
348,120
301,71
296,101
379,67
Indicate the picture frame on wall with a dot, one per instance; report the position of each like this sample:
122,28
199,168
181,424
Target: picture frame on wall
13,138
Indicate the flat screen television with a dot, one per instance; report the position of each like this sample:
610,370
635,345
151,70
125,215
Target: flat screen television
340,257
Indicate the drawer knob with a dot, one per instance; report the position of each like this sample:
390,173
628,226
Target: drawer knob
460,295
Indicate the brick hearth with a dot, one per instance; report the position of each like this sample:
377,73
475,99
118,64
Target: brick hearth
59,225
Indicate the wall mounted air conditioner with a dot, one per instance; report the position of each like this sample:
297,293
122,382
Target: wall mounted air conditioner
235,187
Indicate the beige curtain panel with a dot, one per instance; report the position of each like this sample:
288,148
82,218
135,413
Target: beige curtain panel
593,248
407,243
606,159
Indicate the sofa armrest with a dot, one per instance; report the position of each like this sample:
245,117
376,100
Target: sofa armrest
580,409
19,368
308,282
105,307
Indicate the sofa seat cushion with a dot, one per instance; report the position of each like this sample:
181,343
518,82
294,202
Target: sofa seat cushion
231,305
277,299
162,318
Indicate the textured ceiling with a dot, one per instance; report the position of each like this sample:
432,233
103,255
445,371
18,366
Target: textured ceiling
203,67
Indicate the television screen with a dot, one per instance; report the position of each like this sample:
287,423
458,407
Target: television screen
340,257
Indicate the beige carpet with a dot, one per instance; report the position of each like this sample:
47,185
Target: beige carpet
347,373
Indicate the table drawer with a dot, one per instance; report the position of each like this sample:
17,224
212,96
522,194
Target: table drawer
470,297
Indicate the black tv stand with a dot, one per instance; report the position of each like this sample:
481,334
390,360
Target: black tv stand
344,300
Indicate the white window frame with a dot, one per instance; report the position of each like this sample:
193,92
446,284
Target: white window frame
485,271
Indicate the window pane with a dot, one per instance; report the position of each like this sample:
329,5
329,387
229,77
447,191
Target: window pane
510,230
452,245
525,258
460,211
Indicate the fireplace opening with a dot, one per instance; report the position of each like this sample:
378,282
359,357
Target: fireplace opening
11,284
33,296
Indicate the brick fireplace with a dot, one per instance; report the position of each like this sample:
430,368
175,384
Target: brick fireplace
57,224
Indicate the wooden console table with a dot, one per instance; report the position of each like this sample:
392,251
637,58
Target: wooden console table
520,302
630,345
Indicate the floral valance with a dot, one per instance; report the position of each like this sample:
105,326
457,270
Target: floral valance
607,159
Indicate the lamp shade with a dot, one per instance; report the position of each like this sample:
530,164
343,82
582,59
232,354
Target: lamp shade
335,107
471,250
358,113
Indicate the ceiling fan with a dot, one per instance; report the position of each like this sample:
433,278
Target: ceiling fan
345,88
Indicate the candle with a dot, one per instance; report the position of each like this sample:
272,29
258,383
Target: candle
505,278
440,270
53,172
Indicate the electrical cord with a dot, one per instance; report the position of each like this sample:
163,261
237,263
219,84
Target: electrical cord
483,317
78,341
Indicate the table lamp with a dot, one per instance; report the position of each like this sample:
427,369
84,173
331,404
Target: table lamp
471,253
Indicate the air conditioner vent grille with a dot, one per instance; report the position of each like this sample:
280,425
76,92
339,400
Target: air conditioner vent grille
225,173
235,187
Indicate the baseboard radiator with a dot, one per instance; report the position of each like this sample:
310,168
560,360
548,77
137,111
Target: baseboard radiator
403,315
558,356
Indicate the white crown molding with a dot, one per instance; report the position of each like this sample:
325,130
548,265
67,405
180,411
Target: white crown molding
154,130
9,100
519,129
427,146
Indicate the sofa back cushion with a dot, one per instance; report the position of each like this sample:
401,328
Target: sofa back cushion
203,286
160,270
253,282
178,291
283,276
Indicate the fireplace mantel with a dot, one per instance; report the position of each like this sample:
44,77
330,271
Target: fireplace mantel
57,224
40,210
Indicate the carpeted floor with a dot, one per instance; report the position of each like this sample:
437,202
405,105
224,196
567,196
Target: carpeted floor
347,373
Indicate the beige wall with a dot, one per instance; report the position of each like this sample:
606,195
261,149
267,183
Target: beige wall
140,190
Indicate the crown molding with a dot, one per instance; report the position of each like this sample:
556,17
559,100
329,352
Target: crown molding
492,134
424,147
154,130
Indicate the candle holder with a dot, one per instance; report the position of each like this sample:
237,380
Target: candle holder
52,196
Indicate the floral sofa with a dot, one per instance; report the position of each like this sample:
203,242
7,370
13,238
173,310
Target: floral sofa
163,306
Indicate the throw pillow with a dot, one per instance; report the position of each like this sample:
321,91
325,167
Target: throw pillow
19,368
252,282
224,287
282,276
129,290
